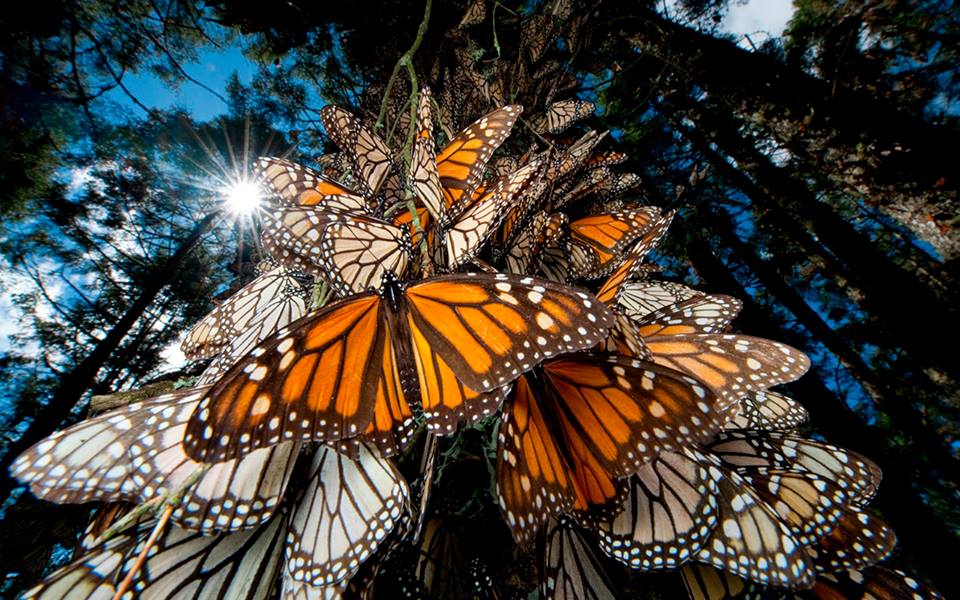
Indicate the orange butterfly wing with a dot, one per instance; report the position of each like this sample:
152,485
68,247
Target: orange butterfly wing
446,400
730,365
317,380
461,163
627,411
534,479
297,185
491,328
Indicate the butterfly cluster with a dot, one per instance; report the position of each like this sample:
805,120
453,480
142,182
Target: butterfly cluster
423,293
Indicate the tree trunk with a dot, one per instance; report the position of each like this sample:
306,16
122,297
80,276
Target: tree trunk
870,269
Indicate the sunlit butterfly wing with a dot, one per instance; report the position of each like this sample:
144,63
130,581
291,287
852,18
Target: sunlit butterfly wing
135,453
318,379
730,365
370,157
640,298
183,564
631,266
297,185
347,509
465,236
423,165
750,541
768,411
875,583
670,510
354,252
711,313
462,162
859,540
571,568
267,303
858,476
491,328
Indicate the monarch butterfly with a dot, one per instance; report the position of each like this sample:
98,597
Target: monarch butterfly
371,159
878,582
134,453
441,565
606,237
578,423
346,511
571,568
184,564
710,313
858,476
751,541
874,583
632,263
265,304
730,365
297,185
767,411
353,252
475,13
563,114
608,158
460,165
524,254
332,373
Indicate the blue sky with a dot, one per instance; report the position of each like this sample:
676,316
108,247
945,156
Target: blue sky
212,69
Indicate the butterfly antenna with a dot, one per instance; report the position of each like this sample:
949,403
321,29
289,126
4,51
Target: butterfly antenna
426,468
142,557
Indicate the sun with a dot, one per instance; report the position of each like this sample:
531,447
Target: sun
242,197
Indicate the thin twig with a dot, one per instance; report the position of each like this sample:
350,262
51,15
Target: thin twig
142,558
401,62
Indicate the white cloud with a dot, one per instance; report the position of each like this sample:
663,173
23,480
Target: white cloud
754,16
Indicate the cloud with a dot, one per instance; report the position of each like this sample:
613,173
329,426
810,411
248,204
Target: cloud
769,16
